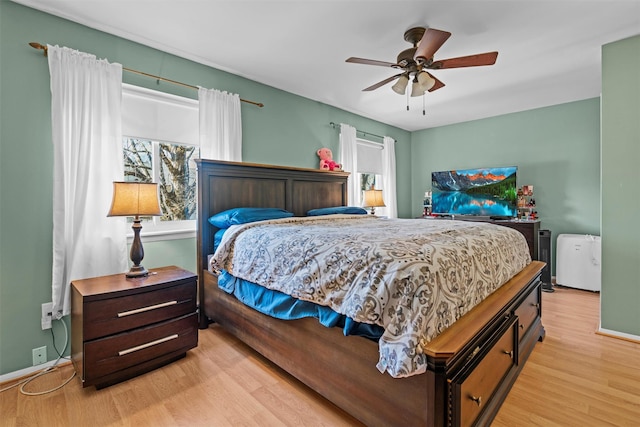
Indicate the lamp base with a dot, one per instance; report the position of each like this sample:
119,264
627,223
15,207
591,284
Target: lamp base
137,252
137,271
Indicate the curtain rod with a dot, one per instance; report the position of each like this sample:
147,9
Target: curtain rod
142,73
334,125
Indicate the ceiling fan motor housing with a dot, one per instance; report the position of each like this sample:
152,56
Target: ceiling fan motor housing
405,59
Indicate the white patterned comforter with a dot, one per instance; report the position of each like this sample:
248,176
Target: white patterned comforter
412,277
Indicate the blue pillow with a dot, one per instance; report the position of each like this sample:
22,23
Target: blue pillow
217,238
244,215
353,210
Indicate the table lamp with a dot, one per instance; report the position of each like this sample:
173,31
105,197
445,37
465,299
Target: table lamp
373,200
135,199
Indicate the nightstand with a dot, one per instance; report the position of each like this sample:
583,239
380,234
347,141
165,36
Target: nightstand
122,327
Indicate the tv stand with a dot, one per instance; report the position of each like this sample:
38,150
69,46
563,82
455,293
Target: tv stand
529,228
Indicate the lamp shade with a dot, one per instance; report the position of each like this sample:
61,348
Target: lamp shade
135,199
401,85
426,81
373,199
416,89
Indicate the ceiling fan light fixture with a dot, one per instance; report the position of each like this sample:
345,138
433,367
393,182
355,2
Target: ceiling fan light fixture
401,85
416,88
426,81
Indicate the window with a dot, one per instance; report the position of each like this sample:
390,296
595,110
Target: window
369,166
160,144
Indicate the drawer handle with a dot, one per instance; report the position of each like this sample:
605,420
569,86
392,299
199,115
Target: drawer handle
147,345
148,308
473,353
509,353
521,326
536,305
478,399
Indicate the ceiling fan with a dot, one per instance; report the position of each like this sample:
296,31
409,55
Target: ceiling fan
416,60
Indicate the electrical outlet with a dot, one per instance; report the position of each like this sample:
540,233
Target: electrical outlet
47,314
39,355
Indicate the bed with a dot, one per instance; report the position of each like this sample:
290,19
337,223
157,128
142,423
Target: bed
470,367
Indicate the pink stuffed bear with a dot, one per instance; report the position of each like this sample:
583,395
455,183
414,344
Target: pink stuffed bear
326,160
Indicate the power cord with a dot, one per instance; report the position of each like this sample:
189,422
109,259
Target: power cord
594,259
46,370
55,347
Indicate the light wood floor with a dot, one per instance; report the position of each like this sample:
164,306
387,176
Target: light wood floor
574,378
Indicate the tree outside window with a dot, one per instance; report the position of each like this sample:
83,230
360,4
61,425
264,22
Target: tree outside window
172,167
367,181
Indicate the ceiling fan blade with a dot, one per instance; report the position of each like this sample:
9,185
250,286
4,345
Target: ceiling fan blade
430,43
437,85
371,62
381,83
480,59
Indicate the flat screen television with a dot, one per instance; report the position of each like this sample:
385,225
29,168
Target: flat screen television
475,192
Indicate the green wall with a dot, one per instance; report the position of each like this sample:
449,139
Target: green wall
180,252
287,131
556,149
620,302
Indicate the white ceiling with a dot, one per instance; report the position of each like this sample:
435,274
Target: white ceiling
549,51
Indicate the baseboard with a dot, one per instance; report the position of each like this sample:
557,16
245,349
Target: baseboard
618,335
27,372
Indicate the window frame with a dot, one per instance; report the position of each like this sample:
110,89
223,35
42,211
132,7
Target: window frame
154,229
377,181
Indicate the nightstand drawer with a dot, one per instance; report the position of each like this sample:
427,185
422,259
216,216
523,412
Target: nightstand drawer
111,354
113,315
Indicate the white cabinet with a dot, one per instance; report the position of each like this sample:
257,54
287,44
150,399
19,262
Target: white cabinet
578,259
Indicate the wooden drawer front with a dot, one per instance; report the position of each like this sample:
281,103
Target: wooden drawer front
477,388
107,355
114,315
527,312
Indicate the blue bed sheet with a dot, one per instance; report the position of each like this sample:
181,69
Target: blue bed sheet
282,306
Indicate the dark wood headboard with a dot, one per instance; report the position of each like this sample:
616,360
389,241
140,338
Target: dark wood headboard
224,185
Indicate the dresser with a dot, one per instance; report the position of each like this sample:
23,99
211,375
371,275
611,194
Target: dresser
122,327
530,229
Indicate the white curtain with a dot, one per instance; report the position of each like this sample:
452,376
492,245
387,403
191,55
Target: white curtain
389,177
220,125
86,98
349,161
